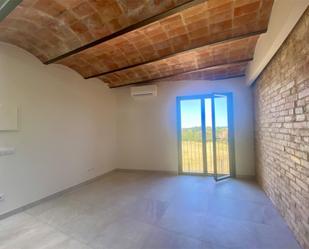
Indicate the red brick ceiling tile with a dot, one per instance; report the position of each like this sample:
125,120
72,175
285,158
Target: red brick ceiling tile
208,56
217,73
73,23
49,28
205,23
221,72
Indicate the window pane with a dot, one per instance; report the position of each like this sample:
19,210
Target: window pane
191,132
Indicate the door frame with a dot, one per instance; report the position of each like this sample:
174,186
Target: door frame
231,139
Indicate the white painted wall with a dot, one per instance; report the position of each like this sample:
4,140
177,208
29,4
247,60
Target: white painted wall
67,128
284,16
147,137
72,130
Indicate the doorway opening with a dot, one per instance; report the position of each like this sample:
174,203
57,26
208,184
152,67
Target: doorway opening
206,135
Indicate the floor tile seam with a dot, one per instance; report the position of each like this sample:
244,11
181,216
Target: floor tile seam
251,201
53,228
57,229
171,231
243,221
198,238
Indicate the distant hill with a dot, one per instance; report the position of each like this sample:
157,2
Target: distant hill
195,133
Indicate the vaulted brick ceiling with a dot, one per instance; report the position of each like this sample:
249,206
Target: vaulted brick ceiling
210,39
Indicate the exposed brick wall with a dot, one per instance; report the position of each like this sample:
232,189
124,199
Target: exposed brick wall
282,130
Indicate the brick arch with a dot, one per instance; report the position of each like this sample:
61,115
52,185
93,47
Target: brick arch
70,24
51,28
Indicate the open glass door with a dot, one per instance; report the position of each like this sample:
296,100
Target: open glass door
205,135
221,136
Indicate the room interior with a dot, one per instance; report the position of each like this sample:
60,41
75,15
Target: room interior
154,124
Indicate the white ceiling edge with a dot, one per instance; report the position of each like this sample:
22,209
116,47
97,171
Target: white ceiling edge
284,16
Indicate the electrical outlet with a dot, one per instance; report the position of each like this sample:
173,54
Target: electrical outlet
1,197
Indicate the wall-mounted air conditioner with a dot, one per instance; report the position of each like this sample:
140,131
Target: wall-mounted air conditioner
143,91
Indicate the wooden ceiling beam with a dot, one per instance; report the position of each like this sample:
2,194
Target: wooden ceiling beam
175,10
189,71
7,6
178,53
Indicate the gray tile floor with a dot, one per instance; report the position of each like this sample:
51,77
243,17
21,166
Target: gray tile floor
135,210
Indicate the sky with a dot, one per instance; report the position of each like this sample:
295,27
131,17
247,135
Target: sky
191,112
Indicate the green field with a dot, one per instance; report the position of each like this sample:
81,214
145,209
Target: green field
192,151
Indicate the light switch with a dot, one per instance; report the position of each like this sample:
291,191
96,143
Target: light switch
7,151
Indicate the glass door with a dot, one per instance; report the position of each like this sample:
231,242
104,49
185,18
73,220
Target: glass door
205,135
191,136
221,136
